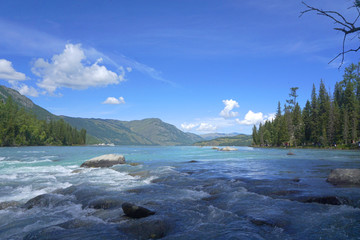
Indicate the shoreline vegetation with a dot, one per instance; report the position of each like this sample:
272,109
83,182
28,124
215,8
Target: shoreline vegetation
21,128
328,120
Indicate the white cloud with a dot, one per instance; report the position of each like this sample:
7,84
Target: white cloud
229,106
7,72
206,127
188,127
112,100
252,118
68,70
28,91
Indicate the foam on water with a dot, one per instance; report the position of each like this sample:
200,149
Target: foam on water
213,198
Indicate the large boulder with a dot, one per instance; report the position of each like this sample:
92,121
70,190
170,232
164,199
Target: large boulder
344,176
146,228
104,161
227,149
133,211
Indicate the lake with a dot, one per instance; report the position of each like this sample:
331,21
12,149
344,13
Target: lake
197,193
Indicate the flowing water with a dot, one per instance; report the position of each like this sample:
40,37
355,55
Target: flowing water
197,193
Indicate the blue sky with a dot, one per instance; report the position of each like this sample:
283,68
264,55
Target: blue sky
204,66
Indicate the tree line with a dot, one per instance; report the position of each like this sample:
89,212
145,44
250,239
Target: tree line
326,120
20,128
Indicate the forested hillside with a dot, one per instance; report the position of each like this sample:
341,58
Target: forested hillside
328,119
20,128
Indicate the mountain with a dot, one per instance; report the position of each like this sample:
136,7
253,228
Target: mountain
238,140
26,103
211,136
151,131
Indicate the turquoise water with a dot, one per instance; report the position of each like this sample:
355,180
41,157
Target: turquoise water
246,194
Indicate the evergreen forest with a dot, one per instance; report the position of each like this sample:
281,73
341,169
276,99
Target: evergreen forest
327,120
21,128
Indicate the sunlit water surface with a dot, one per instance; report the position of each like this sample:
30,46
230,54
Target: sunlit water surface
246,194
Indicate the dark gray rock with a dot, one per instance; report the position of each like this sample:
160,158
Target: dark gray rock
104,161
331,200
49,233
344,176
105,203
76,223
146,228
133,211
47,200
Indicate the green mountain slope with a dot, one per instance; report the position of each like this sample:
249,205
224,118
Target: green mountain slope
151,131
238,140
26,103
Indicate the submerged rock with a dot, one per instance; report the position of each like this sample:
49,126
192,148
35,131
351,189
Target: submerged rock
4,205
107,160
105,204
46,200
146,229
344,176
331,200
45,233
76,223
133,211
227,149
192,161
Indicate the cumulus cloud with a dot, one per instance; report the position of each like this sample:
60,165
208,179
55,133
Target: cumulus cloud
188,127
28,91
7,72
206,127
112,100
252,118
229,106
68,69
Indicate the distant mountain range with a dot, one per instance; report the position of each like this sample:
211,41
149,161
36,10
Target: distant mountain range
238,140
211,136
151,131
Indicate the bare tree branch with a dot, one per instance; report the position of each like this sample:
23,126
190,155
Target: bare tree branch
346,28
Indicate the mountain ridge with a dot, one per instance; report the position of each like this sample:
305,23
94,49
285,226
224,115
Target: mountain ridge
148,131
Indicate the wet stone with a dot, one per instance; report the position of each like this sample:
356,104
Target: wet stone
146,229
9,204
134,211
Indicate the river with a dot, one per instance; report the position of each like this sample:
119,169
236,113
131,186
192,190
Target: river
197,193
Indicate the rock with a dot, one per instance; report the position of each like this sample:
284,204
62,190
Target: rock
331,200
146,229
262,222
4,205
107,160
76,223
344,176
45,233
77,171
285,192
105,204
46,200
133,211
192,161
215,148
134,164
227,149
142,174
290,153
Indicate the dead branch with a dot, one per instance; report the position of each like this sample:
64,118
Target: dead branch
343,25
